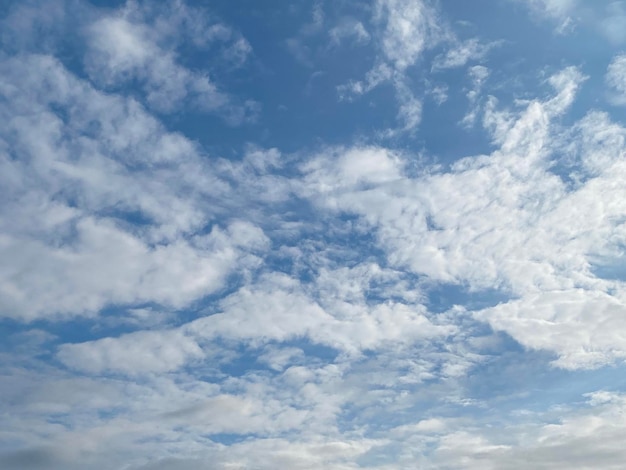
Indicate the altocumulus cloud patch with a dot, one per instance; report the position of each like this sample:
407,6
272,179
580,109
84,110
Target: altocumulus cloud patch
380,235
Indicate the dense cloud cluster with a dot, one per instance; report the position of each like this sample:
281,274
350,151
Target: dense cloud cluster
357,304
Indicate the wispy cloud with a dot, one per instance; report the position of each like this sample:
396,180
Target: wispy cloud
616,80
470,50
138,43
403,33
478,74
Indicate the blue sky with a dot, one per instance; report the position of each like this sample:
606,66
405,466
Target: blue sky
344,235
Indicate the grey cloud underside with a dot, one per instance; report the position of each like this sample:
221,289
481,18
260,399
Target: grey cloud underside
277,308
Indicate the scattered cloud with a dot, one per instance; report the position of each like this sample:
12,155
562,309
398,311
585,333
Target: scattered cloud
616,80
403,32
349,29
560,11
439,93
182,287
470,50
408,28
138,43
297,45
478,74
85,185
431,227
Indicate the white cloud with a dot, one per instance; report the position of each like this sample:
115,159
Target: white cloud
280,310
478,75
279,358
238,52
338,169
403,31
594,145
277,309
565,12
606,18
408,28
504,221
278,453
410,111
349,28
75,179
552,7
439,93
470,50
616,80
45,280
584,438
153,351
137,43
568,323
33,26
373,78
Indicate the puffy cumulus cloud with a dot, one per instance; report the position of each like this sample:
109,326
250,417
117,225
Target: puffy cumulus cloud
345,326
582,327
139,42
596,146
294,406
345,307
313,406
144,351
276,309
340,168
103,205
240,414
506,221
43,280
